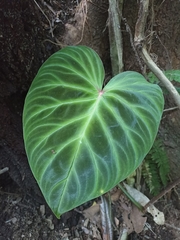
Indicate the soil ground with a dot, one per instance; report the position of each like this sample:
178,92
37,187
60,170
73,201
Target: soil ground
30,32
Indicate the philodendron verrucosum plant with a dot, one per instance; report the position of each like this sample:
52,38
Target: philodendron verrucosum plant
82,138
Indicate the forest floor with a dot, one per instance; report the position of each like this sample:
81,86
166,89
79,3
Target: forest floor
23,211
23,217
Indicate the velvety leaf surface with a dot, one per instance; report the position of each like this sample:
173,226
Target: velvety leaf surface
82,139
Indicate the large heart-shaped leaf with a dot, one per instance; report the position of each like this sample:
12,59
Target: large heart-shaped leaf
82,138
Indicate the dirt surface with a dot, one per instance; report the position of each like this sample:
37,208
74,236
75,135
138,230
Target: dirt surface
29,33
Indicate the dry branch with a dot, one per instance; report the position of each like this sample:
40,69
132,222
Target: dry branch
141,47
161,194
4,170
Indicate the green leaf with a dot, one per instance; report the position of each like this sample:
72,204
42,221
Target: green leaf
82,139
170,74
159,156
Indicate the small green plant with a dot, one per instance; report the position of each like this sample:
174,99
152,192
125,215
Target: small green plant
82,138
172,75
155,168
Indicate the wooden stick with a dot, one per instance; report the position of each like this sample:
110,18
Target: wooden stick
161,194
4,170
140,45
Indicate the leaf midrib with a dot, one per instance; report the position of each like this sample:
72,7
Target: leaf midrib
95,107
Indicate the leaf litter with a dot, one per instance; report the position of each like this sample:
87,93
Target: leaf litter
130,216
126,217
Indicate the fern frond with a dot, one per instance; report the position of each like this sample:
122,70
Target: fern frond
155,180
159,156
146,173
151,176
155,168
170,74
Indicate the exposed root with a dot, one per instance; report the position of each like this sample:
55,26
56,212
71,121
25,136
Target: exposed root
74,32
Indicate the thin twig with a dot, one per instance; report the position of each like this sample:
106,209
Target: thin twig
4,170
160,75
49,7
50,25
83,7
140,45
128,29
161,194
170,109
171,226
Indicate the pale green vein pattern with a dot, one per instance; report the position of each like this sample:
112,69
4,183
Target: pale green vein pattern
80,139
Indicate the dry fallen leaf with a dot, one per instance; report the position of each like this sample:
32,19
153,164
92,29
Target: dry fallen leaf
138,220
127,221
92,213
139,197
132,217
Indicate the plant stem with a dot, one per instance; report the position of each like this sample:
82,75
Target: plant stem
140,45
161,194
115,36
139,206
4,170
105,208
